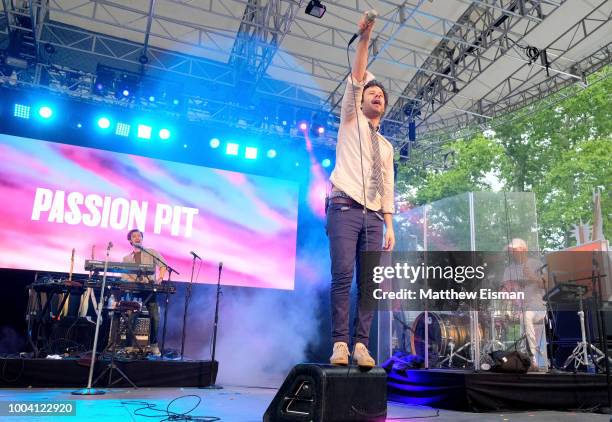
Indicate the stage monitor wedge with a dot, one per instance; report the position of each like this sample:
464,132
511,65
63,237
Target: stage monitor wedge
324,393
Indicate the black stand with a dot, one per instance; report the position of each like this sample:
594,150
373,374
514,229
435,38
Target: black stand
112,366
88,391
187,300
548,329
603,333
212,385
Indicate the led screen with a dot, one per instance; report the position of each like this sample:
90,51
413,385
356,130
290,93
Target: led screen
58,197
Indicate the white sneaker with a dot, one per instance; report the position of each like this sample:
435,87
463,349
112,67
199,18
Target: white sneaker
362,357
340,355
155,350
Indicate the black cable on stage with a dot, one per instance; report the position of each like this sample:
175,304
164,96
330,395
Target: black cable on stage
4,367
365,207
169,415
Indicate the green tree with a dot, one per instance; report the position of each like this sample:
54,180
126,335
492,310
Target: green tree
559,148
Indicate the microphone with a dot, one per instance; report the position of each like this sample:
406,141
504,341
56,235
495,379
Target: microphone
195,255
370,17
220,266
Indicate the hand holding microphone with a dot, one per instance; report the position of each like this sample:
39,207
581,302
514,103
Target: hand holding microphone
366,23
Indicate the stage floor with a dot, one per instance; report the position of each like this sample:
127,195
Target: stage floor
239,404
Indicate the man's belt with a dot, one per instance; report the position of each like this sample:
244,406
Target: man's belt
343,200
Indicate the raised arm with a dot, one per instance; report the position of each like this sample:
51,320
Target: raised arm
361,59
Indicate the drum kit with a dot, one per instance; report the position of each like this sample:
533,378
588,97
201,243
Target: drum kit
451,338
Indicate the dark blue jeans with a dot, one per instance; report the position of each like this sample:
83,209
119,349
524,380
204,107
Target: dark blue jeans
346,229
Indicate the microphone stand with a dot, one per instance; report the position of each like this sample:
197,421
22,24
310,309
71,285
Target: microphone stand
88,391
167,300
187,300
212,385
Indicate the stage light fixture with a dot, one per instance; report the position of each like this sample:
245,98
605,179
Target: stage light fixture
144,132
125,85
303,126
231,148
315,8
104,81
104,122
214,143
326,163
151,98
122,129
164,134
250,153
22,111
271,153
320,130
45,112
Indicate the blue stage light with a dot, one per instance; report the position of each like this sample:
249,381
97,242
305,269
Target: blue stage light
231,148
144,131
214,143
22,111
164,134
104,123
271,153
45,112
122,129
250,153
326,163
151,98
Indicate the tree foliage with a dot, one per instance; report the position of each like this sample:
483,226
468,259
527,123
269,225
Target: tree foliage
560,148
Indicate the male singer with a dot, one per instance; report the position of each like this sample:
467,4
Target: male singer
139,256
362,178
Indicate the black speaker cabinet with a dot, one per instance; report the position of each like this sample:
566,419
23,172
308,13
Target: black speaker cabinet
325,393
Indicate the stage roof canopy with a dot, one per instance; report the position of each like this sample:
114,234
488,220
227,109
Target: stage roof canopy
452,63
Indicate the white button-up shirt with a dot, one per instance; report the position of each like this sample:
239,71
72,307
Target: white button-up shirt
347,174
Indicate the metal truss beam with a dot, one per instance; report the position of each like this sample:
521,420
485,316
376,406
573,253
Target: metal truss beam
267,120
128,52
261,32
445,136
517,91
208,37
492,32
377,50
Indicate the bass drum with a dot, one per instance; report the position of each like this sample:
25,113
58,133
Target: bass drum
444,329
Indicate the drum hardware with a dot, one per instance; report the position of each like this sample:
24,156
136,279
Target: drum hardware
580,355
455,353
493,344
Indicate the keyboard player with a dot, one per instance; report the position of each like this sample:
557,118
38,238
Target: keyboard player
139,256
